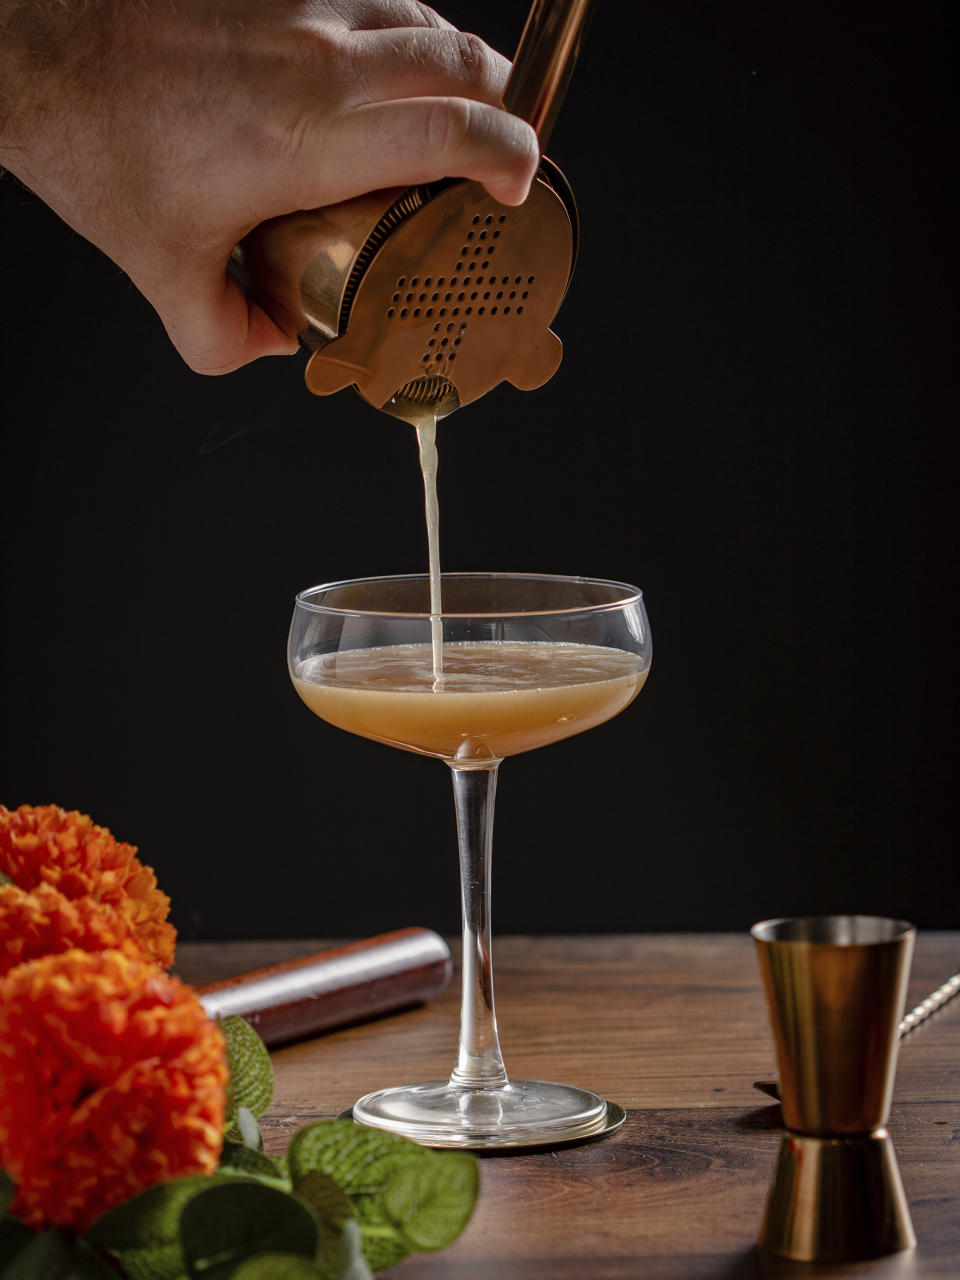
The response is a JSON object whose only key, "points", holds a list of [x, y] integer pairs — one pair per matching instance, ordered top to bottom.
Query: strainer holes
{"points": [[502, 218], [476, 219], [488, 219], [469, 235], [483, 235], [496, 235], [478, 250], [485, 264], [518, 279], [530, 279], [415, 280], [479, 280], [401, 282], [427, 282], [453, 282], [513, 293], [525, 294], [486, 295], [499, 295], [461, 296], [396, 297], [436, 297], [448, 297], [474, 297], [409, 298], [422, 298], [429, 311], [455, 311], [469, 311], [479, 311], [493, 311], [506, 311], [519, 311], [416, 312], [442, 312], [390, 313], [403, 313], [437, 328], [449, 328], [444, 341], [457, 341], [431, 342], [453, 355], [425, 359]]}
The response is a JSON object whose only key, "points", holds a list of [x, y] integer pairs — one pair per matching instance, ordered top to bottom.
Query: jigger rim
{"points": [[833, 930]]}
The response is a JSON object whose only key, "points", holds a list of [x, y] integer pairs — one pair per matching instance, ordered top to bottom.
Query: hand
{"points": [[164, 133]]}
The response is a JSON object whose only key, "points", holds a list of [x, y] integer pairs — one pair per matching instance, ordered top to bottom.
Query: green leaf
{"points": [[5, 879], [251, 1072], [236, 1158], [358, 1159], [361, 1161], [8, 1189], [432, 1201], [426, 1208], [221, 1227], [143, 1233], [14, 1237], [54, 1256], [276, 1266]]}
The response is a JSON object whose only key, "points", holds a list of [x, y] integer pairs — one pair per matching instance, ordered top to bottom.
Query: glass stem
{"points": [[479, 1060]]}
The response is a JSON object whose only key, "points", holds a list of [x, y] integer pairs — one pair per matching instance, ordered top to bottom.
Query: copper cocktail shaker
{"points": [[424, 299], [835, 988]]}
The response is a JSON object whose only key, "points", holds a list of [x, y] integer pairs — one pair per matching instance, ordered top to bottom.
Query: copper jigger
{"points": [[835, 988]]}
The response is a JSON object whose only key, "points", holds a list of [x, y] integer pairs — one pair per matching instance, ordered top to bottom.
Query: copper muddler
{"points": [[334, 987]]}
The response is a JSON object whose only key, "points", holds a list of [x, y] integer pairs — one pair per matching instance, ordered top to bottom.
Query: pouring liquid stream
{"points": [[427, 443]]}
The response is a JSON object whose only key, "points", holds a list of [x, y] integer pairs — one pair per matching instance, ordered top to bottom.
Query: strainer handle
{"points": [[544, 62]]}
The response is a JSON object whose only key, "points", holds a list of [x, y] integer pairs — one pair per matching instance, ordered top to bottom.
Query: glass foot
{"points": [[523, 1113]]}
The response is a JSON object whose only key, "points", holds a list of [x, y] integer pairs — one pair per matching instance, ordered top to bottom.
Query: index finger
{"points": [[379, 15], [388, 65]]}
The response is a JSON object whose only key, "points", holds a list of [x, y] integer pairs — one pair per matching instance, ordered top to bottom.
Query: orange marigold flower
{"points": [[46, 845], [43, 922], [112, 1078]]}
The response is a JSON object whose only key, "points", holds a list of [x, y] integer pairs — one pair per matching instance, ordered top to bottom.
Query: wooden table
{"points": [[673, 1027]]}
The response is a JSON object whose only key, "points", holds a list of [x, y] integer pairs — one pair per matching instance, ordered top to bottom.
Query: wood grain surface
{"points": [[672, 1027]]}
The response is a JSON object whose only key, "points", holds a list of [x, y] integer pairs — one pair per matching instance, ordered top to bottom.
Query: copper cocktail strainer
{"points": [[427, 297]]}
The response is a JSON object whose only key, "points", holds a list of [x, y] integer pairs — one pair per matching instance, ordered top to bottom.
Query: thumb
{"points": [[213, 324]]}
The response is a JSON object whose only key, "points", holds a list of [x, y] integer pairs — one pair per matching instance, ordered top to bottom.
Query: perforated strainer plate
{"points": [[460, 295]]}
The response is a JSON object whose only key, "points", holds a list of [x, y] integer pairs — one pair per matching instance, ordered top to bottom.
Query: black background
{"points": [[754, 421]]}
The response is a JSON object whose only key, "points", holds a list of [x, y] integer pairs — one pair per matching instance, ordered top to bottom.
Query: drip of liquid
{"points": [[427, 441]]}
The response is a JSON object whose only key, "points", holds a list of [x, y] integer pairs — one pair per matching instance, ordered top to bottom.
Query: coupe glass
{"points": [[528, 659]]}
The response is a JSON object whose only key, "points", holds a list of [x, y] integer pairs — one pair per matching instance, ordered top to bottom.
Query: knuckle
{"points": [[427, 17], [328, 51], [474, 61]]}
